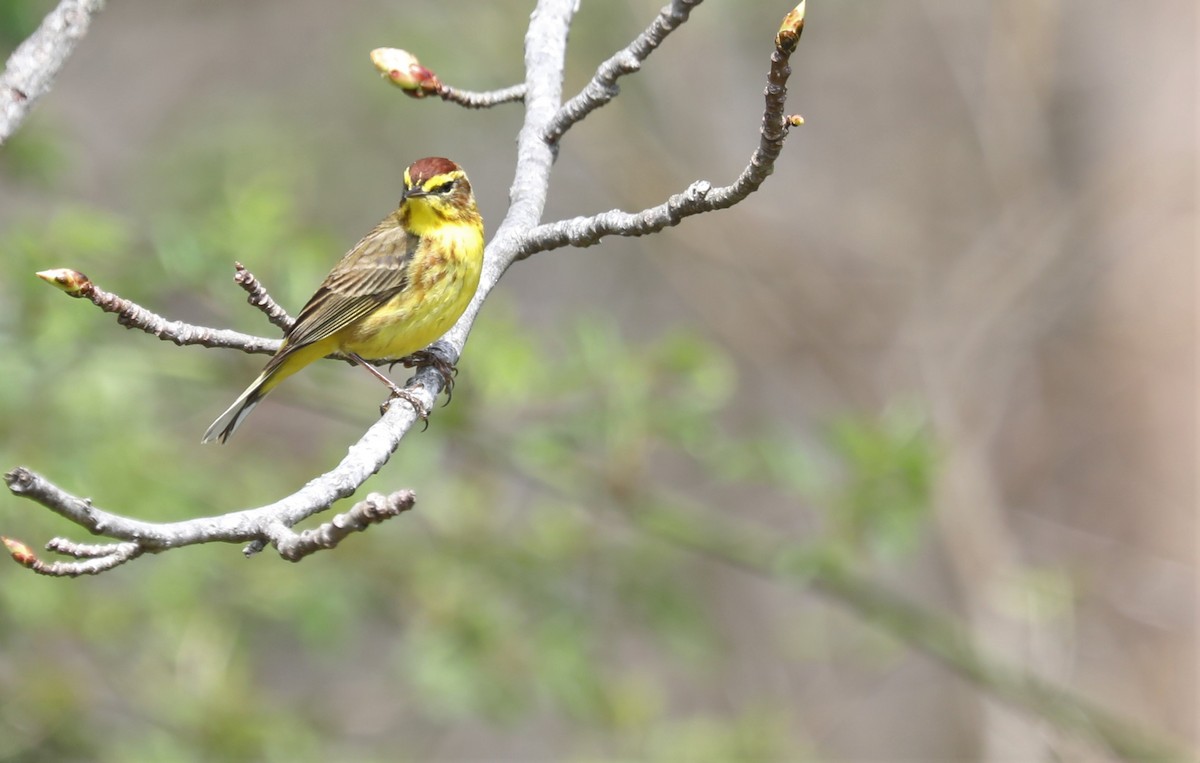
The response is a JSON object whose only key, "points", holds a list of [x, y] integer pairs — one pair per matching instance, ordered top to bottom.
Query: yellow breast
{"points": [[441, 280]]}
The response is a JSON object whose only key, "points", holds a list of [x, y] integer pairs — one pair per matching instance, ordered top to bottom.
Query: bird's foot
{"points": [[434, 356]]}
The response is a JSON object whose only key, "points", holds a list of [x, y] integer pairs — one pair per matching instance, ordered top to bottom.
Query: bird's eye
{"points": [[443, 188]]}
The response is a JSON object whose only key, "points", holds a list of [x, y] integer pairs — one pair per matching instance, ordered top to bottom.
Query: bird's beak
{"points": [[413, 193]]}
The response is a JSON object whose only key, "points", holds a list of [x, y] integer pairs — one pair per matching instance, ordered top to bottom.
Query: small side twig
{"points": [[30, 70], [603, 86], [700, 196], [258, 297], [375, 509], [93, 558]]}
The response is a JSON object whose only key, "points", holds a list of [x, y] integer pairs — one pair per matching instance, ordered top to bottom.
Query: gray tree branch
{"points": [[30, 70], [517, 236], [131, 315], [375, 509], [256, 527], [935, 635]]}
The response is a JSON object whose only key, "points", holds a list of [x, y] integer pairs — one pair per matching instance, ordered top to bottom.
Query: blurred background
{"points": [[951, 344]]}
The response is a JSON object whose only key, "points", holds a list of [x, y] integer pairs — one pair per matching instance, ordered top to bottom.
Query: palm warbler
{"points": [[399, 289]]}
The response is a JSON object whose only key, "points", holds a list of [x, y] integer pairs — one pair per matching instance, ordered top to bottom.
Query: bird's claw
{"points": [[432, 357], [408, 397]]}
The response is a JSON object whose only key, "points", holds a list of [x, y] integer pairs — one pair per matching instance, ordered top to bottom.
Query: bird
{"points": [[394, 293]]}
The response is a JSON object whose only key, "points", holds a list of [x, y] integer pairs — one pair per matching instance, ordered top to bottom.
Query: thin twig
{"points": [[30, 70], [603, 86], [485, 100], [700, 196], [258, 297], [134, 316], [375, 509]]}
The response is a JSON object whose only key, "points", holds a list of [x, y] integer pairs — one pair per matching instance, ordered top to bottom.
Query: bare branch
{"points": [[31, 68], [603, 86], [700, 196], [258, 297], [133, 316], [365, 458], [374, 510], [68, 547], [94, 558], [97, 558], [933, 634]]}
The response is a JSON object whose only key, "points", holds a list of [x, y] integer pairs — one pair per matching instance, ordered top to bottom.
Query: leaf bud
{"points": [[405, 72]]}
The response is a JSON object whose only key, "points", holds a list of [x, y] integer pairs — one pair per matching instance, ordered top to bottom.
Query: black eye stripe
{"points": [[443, 187]]}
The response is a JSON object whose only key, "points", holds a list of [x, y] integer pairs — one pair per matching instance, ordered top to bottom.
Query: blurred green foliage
{"points": [[33, 156], [882, 497], [540, 583]]}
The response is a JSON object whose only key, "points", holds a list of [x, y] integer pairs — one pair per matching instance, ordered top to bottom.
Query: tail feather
{"points": [[283, 364], [232, 418]]}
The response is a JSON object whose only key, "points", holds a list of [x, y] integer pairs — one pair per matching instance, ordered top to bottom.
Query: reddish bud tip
{"points": [[790, 29], [403, 70], [71, 281], [21, 553]]}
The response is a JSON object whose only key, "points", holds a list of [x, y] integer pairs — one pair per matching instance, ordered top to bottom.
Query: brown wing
{"points": [[369, 275]]}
